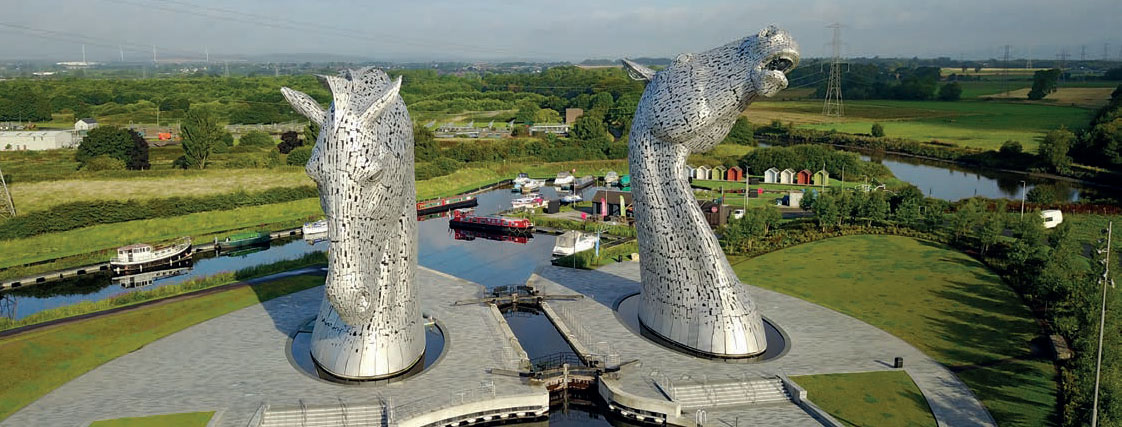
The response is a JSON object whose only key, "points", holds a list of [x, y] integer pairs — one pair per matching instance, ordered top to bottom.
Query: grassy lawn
{"points": [[966, 123], [28, 197], [198, 225], [943, 302], [37, 362], [869, 398], [188, 419]]}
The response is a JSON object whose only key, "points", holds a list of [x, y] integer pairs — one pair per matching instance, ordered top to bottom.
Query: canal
{"points": [[483, 258]]}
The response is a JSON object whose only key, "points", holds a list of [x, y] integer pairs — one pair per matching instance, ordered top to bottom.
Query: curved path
{"points": [[823, 341]]}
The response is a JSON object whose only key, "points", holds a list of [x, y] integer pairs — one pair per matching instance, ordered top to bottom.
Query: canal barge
{"points": [[448, 203], [497, 224], [318, 227], [248, 238], [142, 257]]}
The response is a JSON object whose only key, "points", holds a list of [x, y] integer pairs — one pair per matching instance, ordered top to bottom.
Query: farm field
{"points": [[977, 124], [29, 197], [943, 302], [39, 361], [869, 398]]}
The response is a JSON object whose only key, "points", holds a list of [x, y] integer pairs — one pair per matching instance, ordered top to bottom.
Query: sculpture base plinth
{"points": [[416, 368]]}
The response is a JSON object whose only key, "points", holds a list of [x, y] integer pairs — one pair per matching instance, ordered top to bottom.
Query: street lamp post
{"points": [[1023, 188], [1102, 325]]}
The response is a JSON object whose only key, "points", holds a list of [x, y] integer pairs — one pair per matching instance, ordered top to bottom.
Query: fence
{"points": [[600, 350], [417, 407]]}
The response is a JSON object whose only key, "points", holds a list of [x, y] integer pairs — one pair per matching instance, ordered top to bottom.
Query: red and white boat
{"points": [[497, 224]]}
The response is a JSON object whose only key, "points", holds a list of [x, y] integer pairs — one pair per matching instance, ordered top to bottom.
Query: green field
{"points": [[965, 123], [29, 197], [941, 301], [36, 362], [869, 398], [188, 419]]}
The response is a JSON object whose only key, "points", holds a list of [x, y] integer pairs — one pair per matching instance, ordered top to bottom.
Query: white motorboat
{"points": [[522, 179], [563, 179], [571, 198], [529, 202], [318, 227], [574, 241], [142, 257]]}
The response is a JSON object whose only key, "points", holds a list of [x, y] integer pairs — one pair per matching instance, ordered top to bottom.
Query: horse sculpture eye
{"points": [[780, 64]]}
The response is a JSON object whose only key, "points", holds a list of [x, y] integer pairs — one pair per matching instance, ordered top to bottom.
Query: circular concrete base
{"points": [[627, 312], [299, 352]]}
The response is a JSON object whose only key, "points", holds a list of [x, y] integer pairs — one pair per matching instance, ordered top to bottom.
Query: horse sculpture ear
{"points": [[636, 71], [305, 105], [379, 105]]}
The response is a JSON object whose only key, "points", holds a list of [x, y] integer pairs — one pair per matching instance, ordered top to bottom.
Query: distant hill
{"points": [[641, 60]]}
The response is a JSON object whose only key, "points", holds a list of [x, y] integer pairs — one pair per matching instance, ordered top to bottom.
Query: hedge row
{"points": [[73, 215]]}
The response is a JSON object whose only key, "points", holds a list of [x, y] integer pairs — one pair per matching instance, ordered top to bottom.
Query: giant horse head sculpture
{"points": [[363, 165]]}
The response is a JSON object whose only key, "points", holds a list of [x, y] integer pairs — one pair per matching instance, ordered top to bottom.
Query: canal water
{"points": [[952, 181], [487, 259]]}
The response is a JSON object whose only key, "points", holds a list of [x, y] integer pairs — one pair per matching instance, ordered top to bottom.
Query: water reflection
{"points": [[950, 181]]}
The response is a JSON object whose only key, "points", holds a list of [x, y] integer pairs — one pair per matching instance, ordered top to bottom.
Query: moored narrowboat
{"points": [[448, 203], [514, 226], [248, 238]]}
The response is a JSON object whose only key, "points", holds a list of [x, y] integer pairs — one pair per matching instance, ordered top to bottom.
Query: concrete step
{"points": [[731, 393]]}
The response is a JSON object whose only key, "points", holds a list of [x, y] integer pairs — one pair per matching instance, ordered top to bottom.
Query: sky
{"points": [[558, 30]]}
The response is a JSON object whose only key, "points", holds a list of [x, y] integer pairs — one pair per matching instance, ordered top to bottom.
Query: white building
{"points": [[85, 124], [38, 140], [771, 176], [1052, 217]]}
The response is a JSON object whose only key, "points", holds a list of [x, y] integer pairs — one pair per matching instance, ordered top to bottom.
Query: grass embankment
{"points": [[965, 123], [31, 196], [201, 226], [133, 298], [941, 301], [39, 361], [869, 398], [188, 419]]}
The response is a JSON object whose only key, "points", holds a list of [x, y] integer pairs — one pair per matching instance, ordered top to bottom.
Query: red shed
{"points": [[734, 173], [803, 177]]}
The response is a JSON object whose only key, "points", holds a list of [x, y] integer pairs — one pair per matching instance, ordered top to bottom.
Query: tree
{"points": [[1043, 83], [950, 92], [526, 111], [546, 115], [589, 127], [877, 130], [741, 132], [311, 133], [201, 135], [256, 138], [289, 140], [111, 141], [424, 141], [1011, 148], [1053, 150], [138, 152], [299, 156], [874, 207], [826, 210], [908, 213], [966, 218], [989, 233]]}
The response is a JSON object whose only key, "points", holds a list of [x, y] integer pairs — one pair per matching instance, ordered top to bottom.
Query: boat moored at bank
{"points": [[141, 257]]}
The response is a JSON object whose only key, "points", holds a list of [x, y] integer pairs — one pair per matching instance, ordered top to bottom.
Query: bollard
{"points": [[898, 363]]}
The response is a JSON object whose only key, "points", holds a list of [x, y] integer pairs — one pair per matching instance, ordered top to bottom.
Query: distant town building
{"points": [[572, 114], [85, 124], [554, 128], [470, 130], [38, 140]]}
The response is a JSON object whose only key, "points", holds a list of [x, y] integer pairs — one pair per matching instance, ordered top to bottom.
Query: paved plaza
{"points": [[235, 363]]}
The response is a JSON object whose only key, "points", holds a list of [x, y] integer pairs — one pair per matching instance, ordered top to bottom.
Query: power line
{"points": [[833, 103]]}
